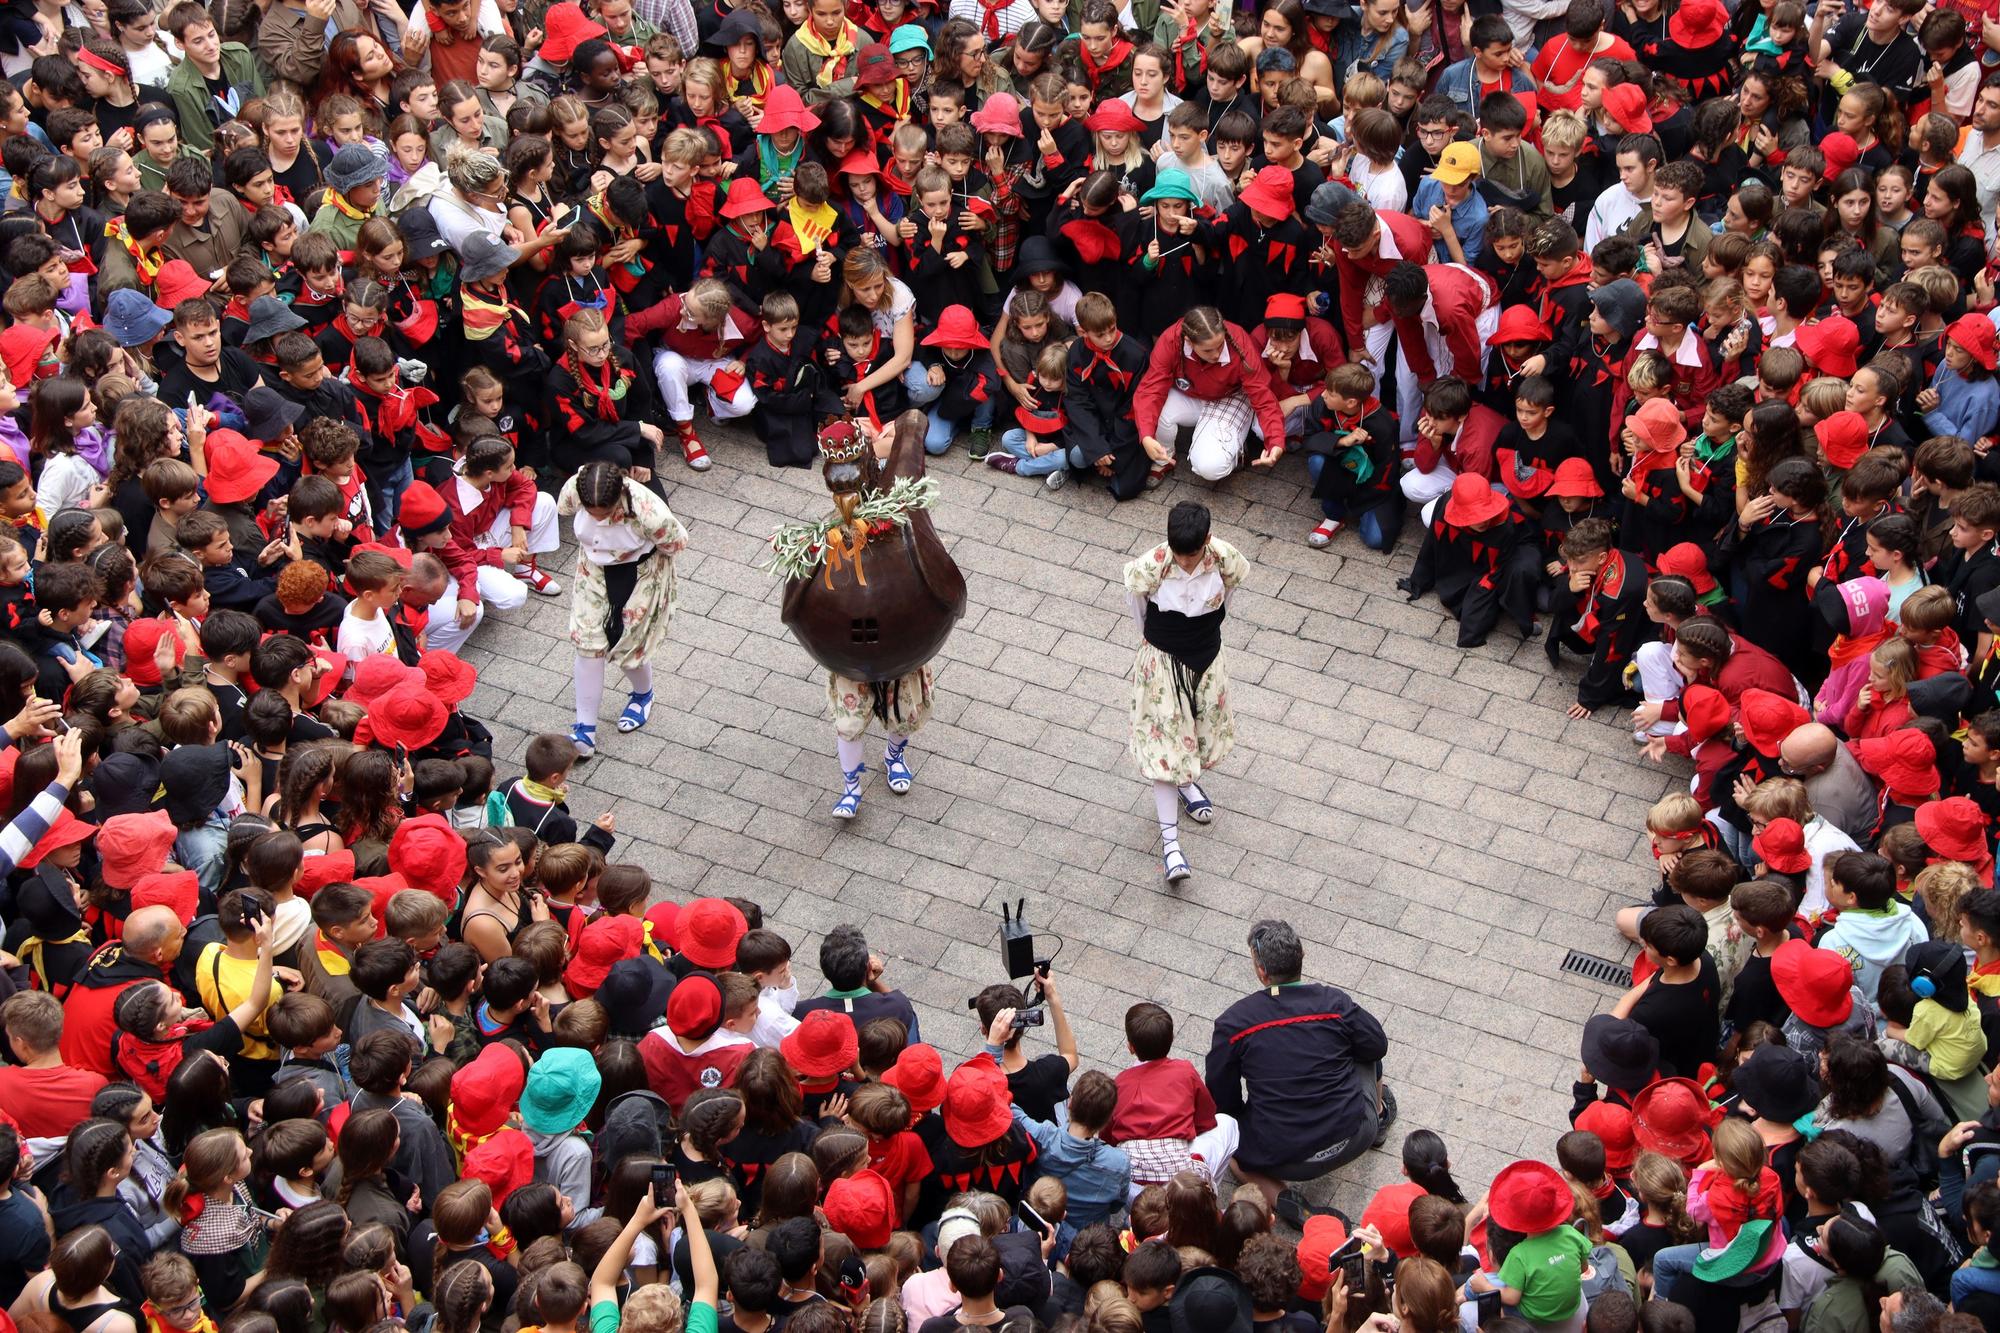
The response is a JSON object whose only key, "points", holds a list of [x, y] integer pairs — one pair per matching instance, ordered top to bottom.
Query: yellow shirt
{"points": [[224, 983], [1954, 1041]]}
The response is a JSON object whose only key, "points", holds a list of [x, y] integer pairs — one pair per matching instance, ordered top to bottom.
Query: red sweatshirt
{"points": [[1403, 237], [1458, 294], [1173, 364], [473, 512]]}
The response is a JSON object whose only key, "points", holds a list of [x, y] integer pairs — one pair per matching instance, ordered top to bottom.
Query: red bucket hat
{"points": [[1697, 24], [564, 28], [1627, 105], [783, 110], [999, 114], [1116, 116], [1840, 151], [861, 161], [1270, 193], [745, 197], [177, 282], [1520, 324], [957, 328], [1975, 334], [1831, 346], [22, 347], [1658, 425], [1843, 437], [237, 469], [1575, 479], [1473, 501], [1687, 560], [142, 640], [376, 675], [449, 676], [409, 715], [1768, 718], [1904, 760], [1954, 828], [67, 831], [1782, 845], [133, 846], [428, 852], [180, 890], [662, 922], [710, 930], [607, 940], [1817, 984], [823, 1045], [919, 1075], [485, 1092], [977, 1103], [1671, 1117], [1612, 1124], [506, 1161], [1530, 1197], [862, 1207], [1389, 1213], [1323, 1234]]}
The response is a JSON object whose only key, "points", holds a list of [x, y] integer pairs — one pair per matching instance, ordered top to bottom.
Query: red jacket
{"points": [[1403, 237], [1458, 295], [739, 329], [1242, 370], [1307, 375], [1471, 450], [473, 512], [89, 1034], [677, 1075]]}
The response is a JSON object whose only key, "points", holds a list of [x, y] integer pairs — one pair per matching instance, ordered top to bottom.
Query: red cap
{"points": [[564, 28], [873, 66], [1626, 104], [783, 110], [1115, 116], [1840, 151], [1270, 193], [177, 282], [1282, 305], [1520, 324], [957, 328], [1975, 334], [1831, 346], [22, 348], [1843, 437], [237, 469], [1575, 479], [1473, 501], [421, 509], [1689, 562], [142, 640], [376, 675], [449, 676], [1768, 718], [1954, 828], [67, 831], [1782, 845], [132, 846], [428, 852], [316, 872], [180, 890], [662, 923], [710, 929], [605, 941], [1816, 984], [695, 1008], [823, 1045], [919, 1075], [484, 1092], [977, 1103], [1671, 1117], [1612, 1124], [506, 1161], [1530, 1197], [862, 1207], [1389, 1213], [1323, 1234]]}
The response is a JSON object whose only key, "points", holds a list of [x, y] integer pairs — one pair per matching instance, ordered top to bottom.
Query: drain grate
{"points": [[1581, 964]]}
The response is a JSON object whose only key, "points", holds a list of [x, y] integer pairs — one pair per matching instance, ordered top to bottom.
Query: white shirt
{"points": [[1012, 18], [1981, 155], [1383, 187], [1613, 209], [456, 220], [901, 302], [66, 482], [607, 543], [1194, 594], [362, 639], [1823, 839]]}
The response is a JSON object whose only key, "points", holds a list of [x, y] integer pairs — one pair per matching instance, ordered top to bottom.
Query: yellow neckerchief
{"points": [[833, 56], [760, 81], [896, 106], [347, 210], [811, 225], [147, 264], [481, 317], [535, 791], [31, 954], [331, 960], [157, 1322]]}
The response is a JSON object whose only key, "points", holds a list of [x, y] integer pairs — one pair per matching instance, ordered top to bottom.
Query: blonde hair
{"points": [[706, 71], [1364, 88], [1564, 129], [685, 146], [1940, 284], [708, 301], [1824, 396], [1929, 608], [1897, 661], [1779, 798], [1676, 812], [1942, 885], [1739, 1153], [1662, 1184], [714, 1200], [1585, 1215], [653, 1309]]}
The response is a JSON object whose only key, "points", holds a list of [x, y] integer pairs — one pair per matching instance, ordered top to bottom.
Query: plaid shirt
{"points": [[1011, 208]]}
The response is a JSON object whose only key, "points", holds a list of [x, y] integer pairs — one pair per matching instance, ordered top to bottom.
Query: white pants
{"points": [[677, 376], [1409, 397], [1220, 426], [1424, 487], [496, 586], [444, 631], [1658, 680]]}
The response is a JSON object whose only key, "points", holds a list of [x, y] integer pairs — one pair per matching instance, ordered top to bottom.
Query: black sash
{"points": [[1191, 643]]}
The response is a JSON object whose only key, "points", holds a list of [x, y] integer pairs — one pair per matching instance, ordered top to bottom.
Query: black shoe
{"points": [[1388, 1117]]}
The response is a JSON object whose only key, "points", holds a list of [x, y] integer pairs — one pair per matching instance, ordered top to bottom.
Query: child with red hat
{"points": [[1474, 556], [1541, 1258]]}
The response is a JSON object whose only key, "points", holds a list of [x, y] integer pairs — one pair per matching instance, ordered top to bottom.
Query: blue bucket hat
{"points": [[909, 37], [1171, 183], [132, 319], [561, 1089]]}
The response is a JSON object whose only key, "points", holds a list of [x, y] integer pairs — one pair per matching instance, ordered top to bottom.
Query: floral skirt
{"points": [[906, 704], [1168, 743]]}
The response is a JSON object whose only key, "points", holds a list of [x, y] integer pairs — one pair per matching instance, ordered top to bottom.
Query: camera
{"points": [[1029, 1018]]}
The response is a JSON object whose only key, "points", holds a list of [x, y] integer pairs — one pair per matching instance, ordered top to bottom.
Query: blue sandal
{"points": [[638, 710], [584, 739], [899, 775], [849, 804], [1199, 808], [1176, 864]]}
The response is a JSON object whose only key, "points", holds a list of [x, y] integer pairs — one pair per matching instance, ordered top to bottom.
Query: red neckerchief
{"points": [[989, 17], [1190, 36], [1093, 71], [238, 308], [862, 365], [1118, 376], [599, 389], [1368, 409]]}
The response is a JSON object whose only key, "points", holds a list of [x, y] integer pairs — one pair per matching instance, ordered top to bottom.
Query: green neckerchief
{"points": [[772, 164], [1707, 450], [854, 994], [1983, 1258]]}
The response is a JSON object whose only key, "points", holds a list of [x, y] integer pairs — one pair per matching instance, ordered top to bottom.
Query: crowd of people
{"points": [[1666, 330]]}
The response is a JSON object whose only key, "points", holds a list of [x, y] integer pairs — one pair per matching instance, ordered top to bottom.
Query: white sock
{"points": [[640, 678], [589, 688], [850, 754], [1193, 792], [1166, 801]]}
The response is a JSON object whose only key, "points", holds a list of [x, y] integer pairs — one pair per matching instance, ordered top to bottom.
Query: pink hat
{"points": [[999, 114]]}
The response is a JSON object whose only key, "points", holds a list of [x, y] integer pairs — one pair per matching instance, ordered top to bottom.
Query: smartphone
{"points": [[663, 1184], [1034, 1221], [1486, 1305]]}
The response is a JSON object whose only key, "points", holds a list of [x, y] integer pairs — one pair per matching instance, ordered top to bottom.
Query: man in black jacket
{"points": [[1299, 1064]]}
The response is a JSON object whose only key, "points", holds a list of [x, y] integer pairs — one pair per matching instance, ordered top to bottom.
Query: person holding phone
{"points": [[604, 1315]]}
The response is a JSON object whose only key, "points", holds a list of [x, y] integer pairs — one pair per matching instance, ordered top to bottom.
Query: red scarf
{"points": [[989, 17], [1121, 50], [1182, 76]]}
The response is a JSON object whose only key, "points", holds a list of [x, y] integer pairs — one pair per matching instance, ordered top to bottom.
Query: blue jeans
{"points": [[917, 385], [942, 431], [1015, 442], [386, 493], [1369, 526]]}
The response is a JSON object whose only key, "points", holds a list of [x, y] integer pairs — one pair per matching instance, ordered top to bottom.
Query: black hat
{"points": [[741, 23], [1328, 199], [419, 231], [1038, 255], [269, 317], [266, 413], [196, 778], [124, 785], [1937, 972], [634, 993], [1620, 1053], [1777, 1083], [1210, 1300]]}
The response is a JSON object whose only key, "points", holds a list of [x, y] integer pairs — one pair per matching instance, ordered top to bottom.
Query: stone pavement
{"points": [[1432, 823]]}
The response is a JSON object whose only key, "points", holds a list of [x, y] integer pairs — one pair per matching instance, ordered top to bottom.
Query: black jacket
{"points": [[1296, 1065]]}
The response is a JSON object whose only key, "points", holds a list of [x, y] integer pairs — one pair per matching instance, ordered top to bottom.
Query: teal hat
{"points": [[909, 37], [1171, 183], [561, 1089], [1737, 1257]]}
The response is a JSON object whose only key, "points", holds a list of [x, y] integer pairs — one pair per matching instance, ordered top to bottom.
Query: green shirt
{"points": [[1548, 1272], [701, 1318]]}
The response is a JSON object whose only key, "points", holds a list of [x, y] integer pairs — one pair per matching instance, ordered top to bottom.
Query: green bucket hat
{"points": [[909, 37], [1171, 183], [561, 1089], [1735, 1258]]}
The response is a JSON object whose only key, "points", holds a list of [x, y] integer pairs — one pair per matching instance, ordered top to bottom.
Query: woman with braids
{"points": [[600, 406], [625, 587], [96, 1161], [362, 1181], [145, 1185], [221, 1233], [462, 1296]]}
